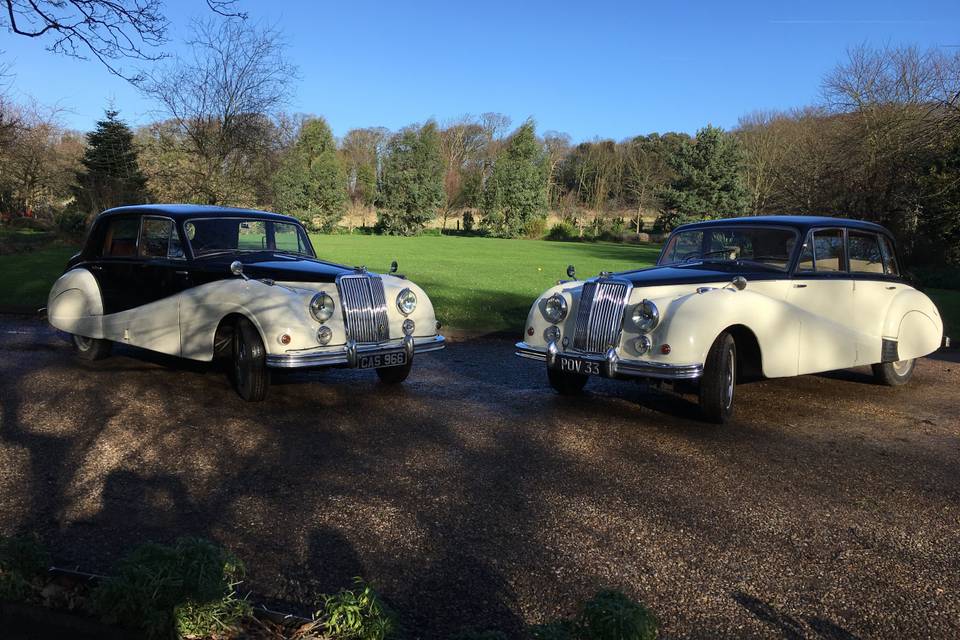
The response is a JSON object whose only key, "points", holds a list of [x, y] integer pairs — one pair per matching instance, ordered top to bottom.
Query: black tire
{"points": [[91, 348], [249, 367], [894, 374], [394, 375], [719, 380], [566, 383]]}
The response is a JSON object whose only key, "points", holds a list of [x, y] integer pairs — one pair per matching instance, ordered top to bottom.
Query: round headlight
{"points": [[406, 302], [321, 307], [555, 308], [646, 316], [324, 334]]}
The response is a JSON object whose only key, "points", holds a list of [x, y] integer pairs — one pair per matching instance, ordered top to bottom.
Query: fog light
{"points": [[408, 327], [324, 334], [551, 334], [284, 338], [642, 345], [665, 349]]}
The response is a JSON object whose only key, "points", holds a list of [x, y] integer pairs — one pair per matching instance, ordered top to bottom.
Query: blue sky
{"points": [[590, 69]]}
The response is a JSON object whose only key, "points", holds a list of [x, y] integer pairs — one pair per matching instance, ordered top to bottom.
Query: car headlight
{"points": [[406, 302], [321, 307], [555, 308], [646, 316], [324, 334]]}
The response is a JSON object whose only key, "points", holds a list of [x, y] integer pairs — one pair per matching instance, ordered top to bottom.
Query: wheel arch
{"points": [[223, 334], [749, 353]]}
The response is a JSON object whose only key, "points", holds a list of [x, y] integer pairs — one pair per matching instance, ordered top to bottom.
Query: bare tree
{"points": [[110, 30], [221, 100], [462, 143], [763, 144], [557, 145], [645, 171]]}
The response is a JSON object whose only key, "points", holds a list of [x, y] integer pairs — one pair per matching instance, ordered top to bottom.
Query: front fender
{"points": [[692, 322]]}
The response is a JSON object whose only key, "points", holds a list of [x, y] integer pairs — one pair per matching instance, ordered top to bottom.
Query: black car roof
{"points": [[183, 211], [802, 223]]}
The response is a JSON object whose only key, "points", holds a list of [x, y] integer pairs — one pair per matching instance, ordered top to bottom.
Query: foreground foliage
{"points": [[23, 561]]}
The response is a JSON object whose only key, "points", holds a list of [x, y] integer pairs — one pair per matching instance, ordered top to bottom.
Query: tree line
{"points": [[882, 144]]}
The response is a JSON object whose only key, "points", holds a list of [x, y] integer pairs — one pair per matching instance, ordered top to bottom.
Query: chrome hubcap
{"points": [[83, 343], [901, 367], [730, 380]]}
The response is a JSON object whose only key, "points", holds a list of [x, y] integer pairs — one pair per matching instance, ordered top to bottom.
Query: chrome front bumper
{"points": [[349, 353], [612, 365]]}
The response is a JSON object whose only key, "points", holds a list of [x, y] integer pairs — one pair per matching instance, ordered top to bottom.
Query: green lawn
{"points": [[478, 284]]}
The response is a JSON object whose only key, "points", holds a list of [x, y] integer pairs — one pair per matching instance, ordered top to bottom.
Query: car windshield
{"points": [[231, 235], [766, 246]]}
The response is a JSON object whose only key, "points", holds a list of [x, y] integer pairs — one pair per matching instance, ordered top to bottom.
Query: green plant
{"points": [[70, 222], [534, 228], [563, 232], [23, 560], [187, 588], [357, 614], [611, 615], [473, 634]]}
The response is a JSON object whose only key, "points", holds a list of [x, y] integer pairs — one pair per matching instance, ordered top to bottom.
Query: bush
{"points": [[69, 222], [469, 222], [534, 228], [563, 232], [23, 561], [187, 588], [357, 614], [610, 615], [561, 630], [471, 634]]}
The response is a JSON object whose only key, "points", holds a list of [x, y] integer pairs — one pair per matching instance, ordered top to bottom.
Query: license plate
{"points": [[377, 360], [575, 365]]}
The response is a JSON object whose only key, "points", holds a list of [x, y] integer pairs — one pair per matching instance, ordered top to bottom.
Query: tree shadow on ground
{"points": [[790, 627]]}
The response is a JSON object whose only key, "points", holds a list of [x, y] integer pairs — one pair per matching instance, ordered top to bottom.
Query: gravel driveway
{"points": [[475, 496]]}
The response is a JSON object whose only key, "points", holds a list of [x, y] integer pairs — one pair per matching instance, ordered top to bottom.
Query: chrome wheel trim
{"points": [[83, 342], [902, 367], [730, 380]]}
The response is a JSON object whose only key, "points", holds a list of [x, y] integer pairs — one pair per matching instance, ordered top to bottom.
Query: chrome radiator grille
{"points": [[364, 307], [600, 315]]}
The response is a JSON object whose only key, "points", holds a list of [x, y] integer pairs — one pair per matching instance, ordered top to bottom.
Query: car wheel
{"points": [[91, 348], [249, 370], [894, 374], [394, 375], [719, 380], [566, 383]]}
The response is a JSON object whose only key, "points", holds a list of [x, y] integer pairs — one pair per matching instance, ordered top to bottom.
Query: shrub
{"points": [[69, 222], [469, 222], [535, 228], [563, 232], [23, 560], [187, 588], [357, 614], [610, 615], [560, 630], [472, 634]]}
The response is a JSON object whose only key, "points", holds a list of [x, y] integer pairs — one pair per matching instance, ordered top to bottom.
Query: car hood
{"points": [[279, 267], [695, 273]]}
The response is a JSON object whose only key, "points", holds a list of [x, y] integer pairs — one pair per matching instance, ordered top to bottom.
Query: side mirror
{"points": [[394, 266], [236, 268], [571, 271], [740, 283]]}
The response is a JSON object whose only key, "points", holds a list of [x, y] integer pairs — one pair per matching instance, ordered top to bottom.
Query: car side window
{"points": [[155, 236], [120, 239], [828, 250], [864, 252], [890, 266]]}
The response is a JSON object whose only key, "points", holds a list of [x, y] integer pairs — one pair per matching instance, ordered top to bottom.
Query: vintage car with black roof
{"points": [[244, 286], [730, 299]]}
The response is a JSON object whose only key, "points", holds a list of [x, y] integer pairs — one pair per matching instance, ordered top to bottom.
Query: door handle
{"points": [[96, 267], [182, 273], [799, 286], [890, 288]]}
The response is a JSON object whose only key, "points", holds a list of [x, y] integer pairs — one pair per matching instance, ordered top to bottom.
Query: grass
{"points": [[476, 284]]}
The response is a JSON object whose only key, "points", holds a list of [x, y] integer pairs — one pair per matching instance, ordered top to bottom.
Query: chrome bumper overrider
{"points": [[348, 353], [611, 365]]}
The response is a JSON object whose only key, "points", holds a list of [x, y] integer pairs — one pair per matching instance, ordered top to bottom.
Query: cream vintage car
{"points": [[245, 286], [730, 299]]}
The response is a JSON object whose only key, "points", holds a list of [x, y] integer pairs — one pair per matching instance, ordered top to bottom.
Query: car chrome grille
{"points": [[364, 307], [600, 315]]}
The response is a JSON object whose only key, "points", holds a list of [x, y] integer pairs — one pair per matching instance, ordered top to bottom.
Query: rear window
{"points": [[120, 239], [865, 253]]}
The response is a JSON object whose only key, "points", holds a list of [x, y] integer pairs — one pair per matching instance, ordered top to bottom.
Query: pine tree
{"points": [[111, 174], [311, 182], [708, 183], [412, 184], [515, 195]]}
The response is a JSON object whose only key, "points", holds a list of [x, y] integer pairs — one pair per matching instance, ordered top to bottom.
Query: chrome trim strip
{"points": [[347, 354], [613, 366]]}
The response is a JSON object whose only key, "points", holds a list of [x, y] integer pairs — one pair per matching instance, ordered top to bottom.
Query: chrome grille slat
{"points": [[364, 307], [600, 315]]}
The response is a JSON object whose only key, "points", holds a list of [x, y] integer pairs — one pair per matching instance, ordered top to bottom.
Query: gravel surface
{"points": [[475, 496]]}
